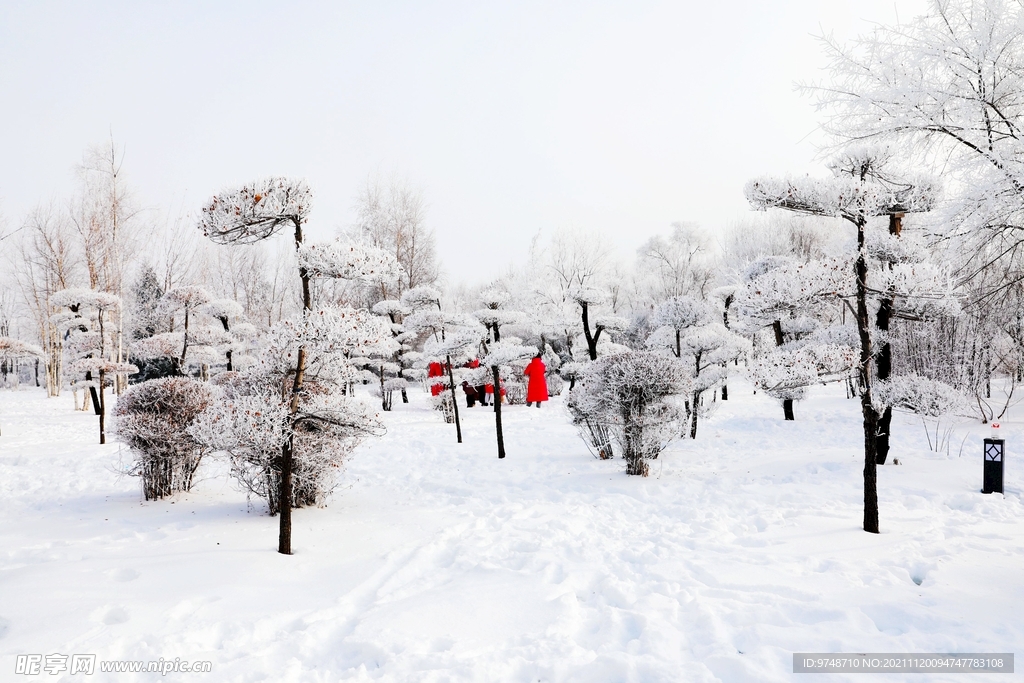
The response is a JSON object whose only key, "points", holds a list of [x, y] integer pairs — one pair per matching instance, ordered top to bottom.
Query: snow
{"points": [[438, 562]]}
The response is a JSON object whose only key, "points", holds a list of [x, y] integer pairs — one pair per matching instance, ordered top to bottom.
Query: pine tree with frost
{"points": [[858, 190], [252, 213], [787, 295], [185, 299], [89, 313], [493, 316], [253, 419]]}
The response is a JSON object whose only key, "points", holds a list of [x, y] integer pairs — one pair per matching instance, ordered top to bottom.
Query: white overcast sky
{"points": [[513, 118]]}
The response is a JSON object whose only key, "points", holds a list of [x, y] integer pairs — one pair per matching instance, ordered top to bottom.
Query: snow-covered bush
{"points": [[632, 396], [153, 419]]}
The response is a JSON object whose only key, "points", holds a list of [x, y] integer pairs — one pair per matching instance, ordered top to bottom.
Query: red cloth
{"points": [[435, 370], [537, 389]]}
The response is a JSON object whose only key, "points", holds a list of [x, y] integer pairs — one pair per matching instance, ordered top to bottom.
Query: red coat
{"points": [[537, 390]]}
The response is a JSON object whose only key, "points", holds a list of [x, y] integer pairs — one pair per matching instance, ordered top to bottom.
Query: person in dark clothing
{"points": [[471, 394]]}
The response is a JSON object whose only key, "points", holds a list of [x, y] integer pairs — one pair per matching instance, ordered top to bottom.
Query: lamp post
{"points": [[995, 450]]}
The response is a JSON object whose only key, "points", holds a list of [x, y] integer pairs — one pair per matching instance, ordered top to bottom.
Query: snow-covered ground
{"points": [[439, 562]]}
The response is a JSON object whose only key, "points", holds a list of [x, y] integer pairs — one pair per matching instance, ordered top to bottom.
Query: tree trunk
{"points": [[725, 321], [591, 338], [884, 368], [883, 371], [455, 402], [787, 403], [497, 411], [868, 411], [102, 412], [693, 421], [284, 538]]}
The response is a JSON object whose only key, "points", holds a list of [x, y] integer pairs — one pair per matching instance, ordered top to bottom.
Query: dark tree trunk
{"points": [[725, 321], [224, 322], [590, 337], [184, 346], [884, 367], [883, 371], [93, 394], [405, 396], [455, 402], [787, 403], [497, 411], [102, 412], [693, 416], [870, 417], [284, 538]]}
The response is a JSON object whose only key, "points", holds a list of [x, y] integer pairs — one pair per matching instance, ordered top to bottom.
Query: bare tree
{"points": [[392, 217], [107, 219], [44, 262]]}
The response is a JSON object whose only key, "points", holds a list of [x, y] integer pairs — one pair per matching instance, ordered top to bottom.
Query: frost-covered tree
{"points": [[947, 90], [859, 190], [253, 213], [677, 265], [787, 296], [186, 299], [588, 299], [395, 312], [229, 314], [685, 326], [449, 336], [94, 343], [711, 347], [13, 350], [500, 354], [632, 394], [924, 397], [255, 418]]}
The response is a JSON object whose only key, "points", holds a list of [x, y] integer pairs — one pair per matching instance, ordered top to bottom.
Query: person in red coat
{"points": [[537, 389]]}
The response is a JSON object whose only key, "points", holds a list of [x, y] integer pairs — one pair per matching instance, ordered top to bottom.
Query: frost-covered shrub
{"points": [[555, 383], [515, 393], [631, 395], [444, 404], [153, 419]]}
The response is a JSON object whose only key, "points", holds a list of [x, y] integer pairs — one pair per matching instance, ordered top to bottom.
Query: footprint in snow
{"points": [[123, 575], [116, 615]]}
